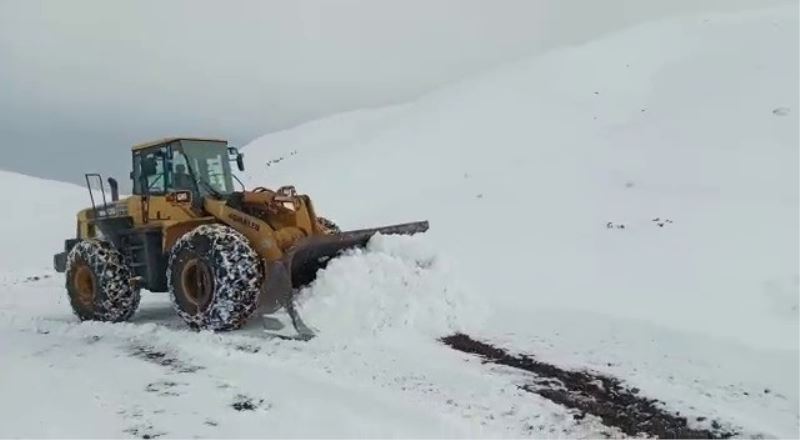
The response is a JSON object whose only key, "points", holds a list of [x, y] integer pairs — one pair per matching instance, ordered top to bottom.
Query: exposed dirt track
{"points": [[591, 393]]}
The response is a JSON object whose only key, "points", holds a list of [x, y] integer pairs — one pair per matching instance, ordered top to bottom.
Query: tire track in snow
{"points": [[590, 393]]}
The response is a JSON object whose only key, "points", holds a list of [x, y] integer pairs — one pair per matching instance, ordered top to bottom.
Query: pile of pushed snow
{"points": [[38, 215], [397, 283]]}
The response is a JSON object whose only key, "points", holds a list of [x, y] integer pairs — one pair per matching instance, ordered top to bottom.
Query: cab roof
{"points": [[173, 139]]}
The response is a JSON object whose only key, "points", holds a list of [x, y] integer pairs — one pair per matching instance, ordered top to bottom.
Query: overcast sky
{"points": [[81, 80]]}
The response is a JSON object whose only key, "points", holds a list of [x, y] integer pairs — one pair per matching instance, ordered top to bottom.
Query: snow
{"points": [[691, 121], [547, 152], [520, 172], [29, 229], [395, 285], [356, 388]]}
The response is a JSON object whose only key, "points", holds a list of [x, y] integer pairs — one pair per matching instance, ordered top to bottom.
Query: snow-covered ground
{"points": [[629, 206]]}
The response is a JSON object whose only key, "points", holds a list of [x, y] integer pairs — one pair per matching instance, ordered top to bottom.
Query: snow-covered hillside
{"points": [[522, 171], [631, 200], [627, 207], [39, 214]]}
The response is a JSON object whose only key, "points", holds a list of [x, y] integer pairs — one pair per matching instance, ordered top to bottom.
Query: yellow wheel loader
{"points": [[220, 252]]}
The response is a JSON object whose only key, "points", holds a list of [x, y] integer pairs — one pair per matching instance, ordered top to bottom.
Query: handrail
{"points": [[91, 194]]}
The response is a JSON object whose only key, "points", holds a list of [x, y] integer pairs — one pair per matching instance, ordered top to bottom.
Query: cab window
{"points": [[149, 171], [181, 178]]}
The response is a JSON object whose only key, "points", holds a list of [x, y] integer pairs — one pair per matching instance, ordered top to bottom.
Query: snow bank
{"points": [[651, 175], [630, 205], [38, 216], [395, 285]]}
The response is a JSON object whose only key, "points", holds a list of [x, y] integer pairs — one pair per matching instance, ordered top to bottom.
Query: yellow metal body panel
{"points": [[164, 212], [273, 221], [272, 226], [85, 228], [258, 232], [271, 234]]}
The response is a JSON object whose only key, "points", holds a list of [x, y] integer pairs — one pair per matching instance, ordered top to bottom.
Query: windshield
{"points": [[208, 162]]}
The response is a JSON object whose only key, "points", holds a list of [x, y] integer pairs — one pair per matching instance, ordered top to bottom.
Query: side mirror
{"points": [[234, 154], [112, 183]]}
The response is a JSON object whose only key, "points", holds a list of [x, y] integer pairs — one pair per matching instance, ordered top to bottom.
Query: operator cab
{"points": [[200, 166]]}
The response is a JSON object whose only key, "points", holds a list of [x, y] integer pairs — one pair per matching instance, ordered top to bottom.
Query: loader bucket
{"points": [[313, 253], [299, 267]]}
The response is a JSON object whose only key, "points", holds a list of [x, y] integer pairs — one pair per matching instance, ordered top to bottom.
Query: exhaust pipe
{"points": [[112, 183]]}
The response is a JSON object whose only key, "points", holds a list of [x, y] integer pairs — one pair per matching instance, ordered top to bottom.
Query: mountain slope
{"points": [[521, 172], [527, 175], [628, 203], [39, 214]]}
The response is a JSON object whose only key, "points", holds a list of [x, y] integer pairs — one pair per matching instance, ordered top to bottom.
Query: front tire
{"points": [[214, 278], [98, 283]]}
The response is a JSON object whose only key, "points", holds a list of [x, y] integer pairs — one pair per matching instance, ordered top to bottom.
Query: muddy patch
{"points": [[35, 278], [14, 281], [247, 348], [150, 354], [164, 388], [589, 393], [246, 403], [144, 432]]}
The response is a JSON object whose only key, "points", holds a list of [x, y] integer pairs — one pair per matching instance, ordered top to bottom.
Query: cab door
{"points": [[157, 200]]}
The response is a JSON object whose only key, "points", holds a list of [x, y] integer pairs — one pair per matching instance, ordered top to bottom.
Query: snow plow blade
{"points": [[312, 254], [299, 267]]}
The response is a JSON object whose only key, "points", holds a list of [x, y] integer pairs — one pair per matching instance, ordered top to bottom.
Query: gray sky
{"points": [[82, 80]]}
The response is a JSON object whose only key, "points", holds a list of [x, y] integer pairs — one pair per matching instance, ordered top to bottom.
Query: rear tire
{"points": [[214, 278], [98, 283]]}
